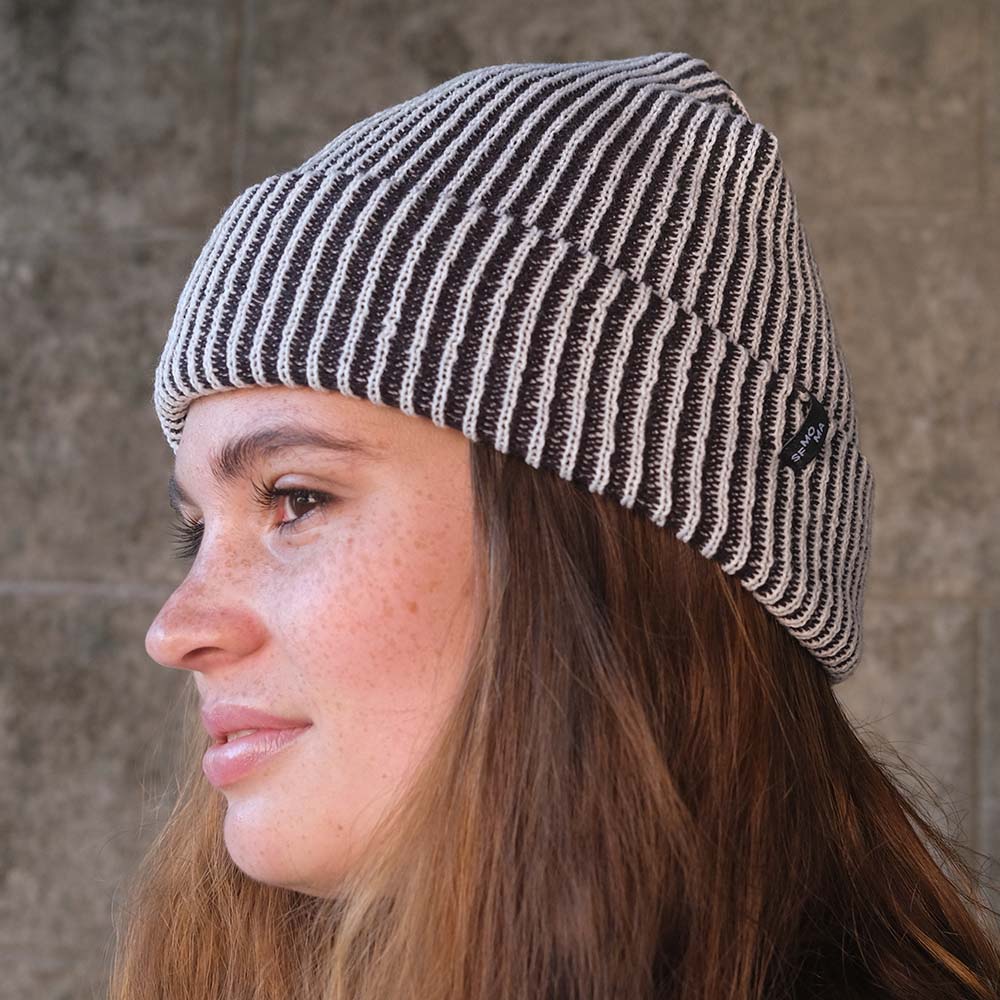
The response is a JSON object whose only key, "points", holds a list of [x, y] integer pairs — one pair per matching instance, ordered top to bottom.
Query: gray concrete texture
{"points": [[128, 126]]}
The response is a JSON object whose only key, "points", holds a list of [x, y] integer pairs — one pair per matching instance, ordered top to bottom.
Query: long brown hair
{"points": [[647, 789]]}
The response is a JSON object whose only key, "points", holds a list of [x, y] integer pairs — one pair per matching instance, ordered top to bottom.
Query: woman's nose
{"points": [[201, 624]]}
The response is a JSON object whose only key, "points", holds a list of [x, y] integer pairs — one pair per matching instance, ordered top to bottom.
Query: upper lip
{"points": [[225, 717]]}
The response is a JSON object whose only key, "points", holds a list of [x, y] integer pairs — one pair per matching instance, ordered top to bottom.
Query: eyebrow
{"points": [[237, 457]]}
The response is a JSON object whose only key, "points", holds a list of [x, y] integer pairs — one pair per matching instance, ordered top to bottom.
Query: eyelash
{"points": [[188, 532]]}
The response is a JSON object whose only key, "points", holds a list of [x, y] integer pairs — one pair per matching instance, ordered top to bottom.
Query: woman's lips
{"points": [[225, 763]]}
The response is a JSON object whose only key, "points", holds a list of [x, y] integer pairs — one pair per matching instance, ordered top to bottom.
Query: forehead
{"points": [[230, 412]]}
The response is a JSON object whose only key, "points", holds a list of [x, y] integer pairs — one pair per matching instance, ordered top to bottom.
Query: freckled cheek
{"points": [[374, 626]]}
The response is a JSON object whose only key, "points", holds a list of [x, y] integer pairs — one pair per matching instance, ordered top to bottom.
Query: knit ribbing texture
{"points": [[596, 266]]}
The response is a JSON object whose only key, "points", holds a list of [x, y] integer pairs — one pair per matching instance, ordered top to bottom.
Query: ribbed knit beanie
{"points": [[595, 266]]}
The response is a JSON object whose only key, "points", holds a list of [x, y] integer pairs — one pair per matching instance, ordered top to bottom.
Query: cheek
{"points": [[378, 628]]}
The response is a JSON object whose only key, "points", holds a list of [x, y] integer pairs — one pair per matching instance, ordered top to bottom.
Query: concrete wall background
{"points": [[128, 126]]}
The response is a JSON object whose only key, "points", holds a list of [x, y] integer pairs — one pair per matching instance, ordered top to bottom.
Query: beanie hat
{"points": [[596, 266]]}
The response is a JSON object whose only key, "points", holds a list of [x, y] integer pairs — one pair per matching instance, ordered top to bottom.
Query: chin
{"points": [[266, 856]]}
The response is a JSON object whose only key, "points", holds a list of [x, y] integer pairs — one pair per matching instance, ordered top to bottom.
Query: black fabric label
{"points": [[804, 445]]}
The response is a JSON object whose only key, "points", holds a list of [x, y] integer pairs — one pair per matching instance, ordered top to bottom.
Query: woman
{"points": [[542, 589]]}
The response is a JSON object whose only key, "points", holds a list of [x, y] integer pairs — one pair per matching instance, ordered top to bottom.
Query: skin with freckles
{"points": [[356, 617]]}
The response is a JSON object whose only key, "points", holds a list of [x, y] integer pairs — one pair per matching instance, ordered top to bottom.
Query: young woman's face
{"points": [[355, 617]]}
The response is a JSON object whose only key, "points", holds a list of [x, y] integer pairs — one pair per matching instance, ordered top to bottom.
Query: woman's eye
{"points": [[269, 497], [308, 499], [301, 502], [187, 534]]}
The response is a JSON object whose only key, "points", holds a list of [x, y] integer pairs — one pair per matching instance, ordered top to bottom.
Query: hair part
{"points": [[647, 788]]}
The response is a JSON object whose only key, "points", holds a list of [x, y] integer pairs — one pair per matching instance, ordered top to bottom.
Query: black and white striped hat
{"points": [[596, 266]]}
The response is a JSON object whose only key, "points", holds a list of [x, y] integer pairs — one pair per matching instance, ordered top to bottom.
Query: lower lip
{"points": [[225, 763]]}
